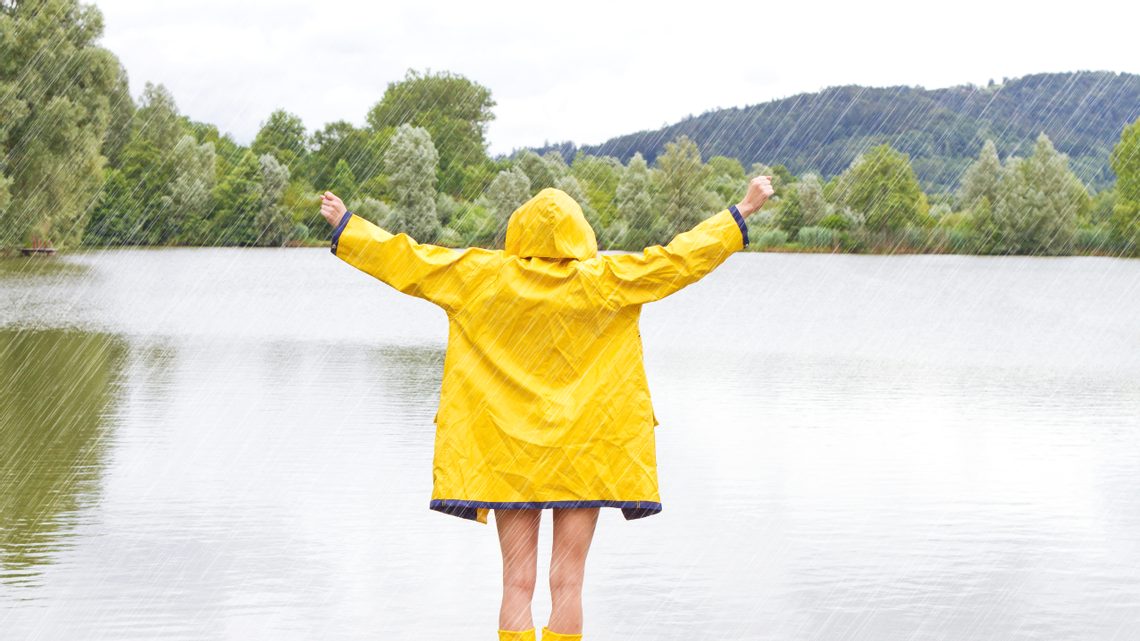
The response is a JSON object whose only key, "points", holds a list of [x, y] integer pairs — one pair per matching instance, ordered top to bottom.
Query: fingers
{"points": [[762, 184], [332, 207]]}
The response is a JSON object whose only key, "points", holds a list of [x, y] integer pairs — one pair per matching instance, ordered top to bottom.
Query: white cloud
{"points": [[588, 70]]}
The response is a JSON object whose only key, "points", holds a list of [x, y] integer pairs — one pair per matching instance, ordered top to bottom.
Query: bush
{"points": [[371, 209], [940, 211], [962, 220], [838, 222], [476, 225], [818, 237], [449, 238], [770, 238], [915, 238], [1095, 240]]}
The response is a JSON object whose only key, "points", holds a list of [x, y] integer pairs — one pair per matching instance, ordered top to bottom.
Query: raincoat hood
{"points": [[550, 225]]}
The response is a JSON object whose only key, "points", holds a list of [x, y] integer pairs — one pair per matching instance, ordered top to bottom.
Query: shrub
{"points": [[372, 209], [962, 220], [837, 222], [476, 224], [818, 237], [449, 238], [770, 238], [915, 238], [1095, 239], [960, 241]]}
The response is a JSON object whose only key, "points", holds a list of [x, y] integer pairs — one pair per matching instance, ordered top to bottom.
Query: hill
{"points": [[942, 130]]}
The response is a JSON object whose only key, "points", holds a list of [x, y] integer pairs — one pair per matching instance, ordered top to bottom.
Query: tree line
{"points": [[83, 163]]}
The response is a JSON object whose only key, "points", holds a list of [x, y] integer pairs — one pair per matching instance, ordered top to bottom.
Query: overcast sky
{"points": [[583, 70]]}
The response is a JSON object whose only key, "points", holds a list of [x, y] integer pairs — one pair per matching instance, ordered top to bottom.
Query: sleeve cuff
{"points": [[740, 223], [339, 229]]}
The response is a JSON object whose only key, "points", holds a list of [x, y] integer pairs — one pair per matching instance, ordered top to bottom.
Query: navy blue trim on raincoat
{"points": [[740, 222], [339, 229], [467, 509]]}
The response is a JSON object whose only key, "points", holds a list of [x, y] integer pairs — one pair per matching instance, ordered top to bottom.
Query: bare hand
{"points": [[759, 189], [332, 208]]}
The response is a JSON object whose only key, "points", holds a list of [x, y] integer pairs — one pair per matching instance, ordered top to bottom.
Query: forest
{"points": [[84, 163]]}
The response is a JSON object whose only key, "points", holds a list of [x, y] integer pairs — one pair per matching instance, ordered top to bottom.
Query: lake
{"points": [[236, 444]]}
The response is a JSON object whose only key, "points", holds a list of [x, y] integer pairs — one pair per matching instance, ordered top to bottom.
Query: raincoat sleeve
{"points": [[434, 273], [634, 279]]}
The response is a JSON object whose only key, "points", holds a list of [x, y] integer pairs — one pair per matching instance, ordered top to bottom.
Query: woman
{"points": [[544, 401]]}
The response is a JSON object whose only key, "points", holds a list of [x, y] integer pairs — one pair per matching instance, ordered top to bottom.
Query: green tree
{"points": [[56, 88], [123, 107], [454, 110], [157, 120], [282, 135], [361, 149], [227, 152], [1125, 161], [410, 162], [148, 163], [556, 163], [725, 166], [540, 172], [599, 176], [780, 176], [981, 178], [343, 182], [882, 186], [573, 188], [809, 188], [509, 190], [683, 198], [187, 201], [239, 201], [1038, 204], [803, 205], [1101, 210], [790, 216], [110, 220], [273, 223], [637, 224]]}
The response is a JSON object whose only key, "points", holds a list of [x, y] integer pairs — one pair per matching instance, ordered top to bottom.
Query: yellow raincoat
{"points": [[544, 400]]}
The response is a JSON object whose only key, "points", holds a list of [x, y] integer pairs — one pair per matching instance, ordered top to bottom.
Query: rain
{"points": [[899, 399]]}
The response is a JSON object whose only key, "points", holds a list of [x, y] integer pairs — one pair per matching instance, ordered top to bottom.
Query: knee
{"points": [[519, 584], [565, 584]]}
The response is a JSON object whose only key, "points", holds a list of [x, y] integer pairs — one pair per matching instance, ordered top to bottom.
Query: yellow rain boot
{"points": [[521, 635], [547, 635]]}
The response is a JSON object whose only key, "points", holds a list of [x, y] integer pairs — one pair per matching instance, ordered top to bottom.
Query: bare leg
{"points": [[573, 531], [518, 539]]}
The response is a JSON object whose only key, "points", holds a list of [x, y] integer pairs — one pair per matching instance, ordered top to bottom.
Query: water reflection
{"points": [[57, 389], [851, 448]]}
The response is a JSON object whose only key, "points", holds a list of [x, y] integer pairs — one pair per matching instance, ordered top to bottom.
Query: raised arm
{"points": [[434, 273], [634, 279]]}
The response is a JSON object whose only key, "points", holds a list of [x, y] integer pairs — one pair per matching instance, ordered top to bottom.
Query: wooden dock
{"points": [[39, 247], [30, 251]]}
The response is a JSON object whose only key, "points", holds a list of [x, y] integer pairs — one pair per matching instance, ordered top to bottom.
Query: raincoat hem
{"points": [[470, 509]]}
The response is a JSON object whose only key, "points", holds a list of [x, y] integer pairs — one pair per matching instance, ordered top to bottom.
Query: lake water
{"points": [[236, 444]]}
